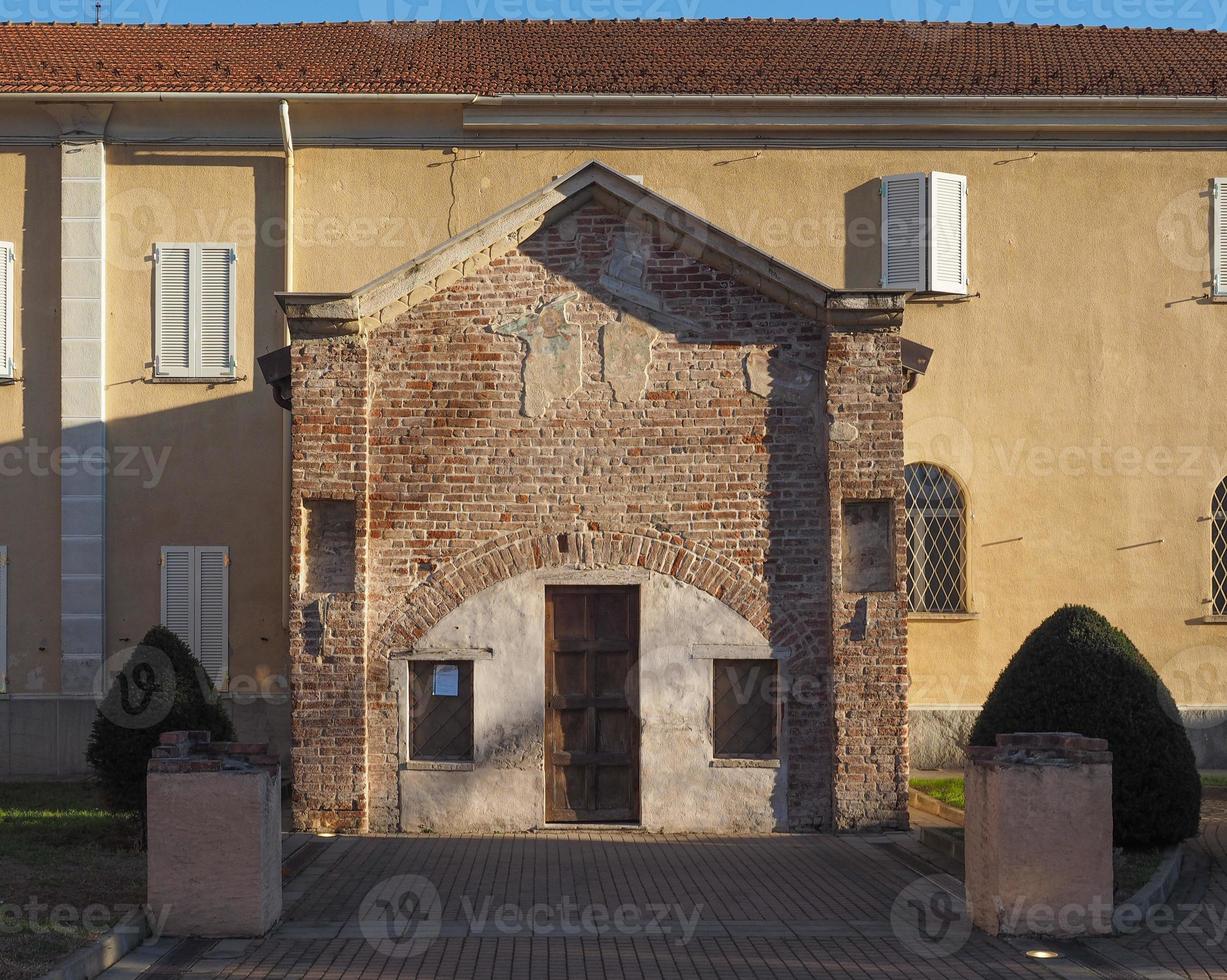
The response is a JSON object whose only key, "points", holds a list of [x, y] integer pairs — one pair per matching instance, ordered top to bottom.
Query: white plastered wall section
{"points": [[83, 412], [502, 629]]}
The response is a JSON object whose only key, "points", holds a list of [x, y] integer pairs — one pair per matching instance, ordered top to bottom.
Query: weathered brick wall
{"points": [[864, 382], [702, 456], [328, 660]]}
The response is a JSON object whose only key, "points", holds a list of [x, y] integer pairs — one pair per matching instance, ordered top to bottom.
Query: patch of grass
{"points": [[1214, 780], [948, 789], [72, 868], [1133, 868]]}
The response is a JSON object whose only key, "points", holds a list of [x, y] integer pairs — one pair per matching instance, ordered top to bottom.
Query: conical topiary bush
{"points": [[1078, 673], [161, 688]]}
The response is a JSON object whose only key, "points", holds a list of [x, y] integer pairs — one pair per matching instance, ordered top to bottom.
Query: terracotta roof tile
{"points": [[727, 57]]}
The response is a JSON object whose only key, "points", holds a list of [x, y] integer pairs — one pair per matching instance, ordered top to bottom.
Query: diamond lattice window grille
{"points": [[936, 541], [1218, 551]]}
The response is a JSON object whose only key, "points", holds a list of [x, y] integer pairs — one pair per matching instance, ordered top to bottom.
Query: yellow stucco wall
{"points": [[1075, 396], [30, 418], [209, 469]]}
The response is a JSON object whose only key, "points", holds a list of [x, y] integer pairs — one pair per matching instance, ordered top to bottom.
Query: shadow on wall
{"points": [[863, 243]]}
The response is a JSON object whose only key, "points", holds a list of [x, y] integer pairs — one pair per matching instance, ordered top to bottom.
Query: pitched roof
{"points": [[723, 57], [330, 314]]}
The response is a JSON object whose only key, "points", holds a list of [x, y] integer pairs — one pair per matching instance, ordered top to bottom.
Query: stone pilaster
{"points": [[83, 395]]}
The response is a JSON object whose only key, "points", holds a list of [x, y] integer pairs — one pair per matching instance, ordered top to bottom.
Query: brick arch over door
{"points": [[534, 549], [505, 557]]}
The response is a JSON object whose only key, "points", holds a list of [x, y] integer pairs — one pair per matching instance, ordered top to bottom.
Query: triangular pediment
{"points": [[386, 298]]}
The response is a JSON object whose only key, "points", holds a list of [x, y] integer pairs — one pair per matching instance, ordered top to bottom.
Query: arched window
{"points": [[936, 541], [1218, 550]]}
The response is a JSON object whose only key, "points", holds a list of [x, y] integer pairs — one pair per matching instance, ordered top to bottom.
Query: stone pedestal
{"points": [[1039, 835], [214, 836]]}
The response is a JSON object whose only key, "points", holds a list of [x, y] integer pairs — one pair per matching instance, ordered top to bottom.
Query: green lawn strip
{"points": [[1214, 780], [948, 789], [1133, 868], [69, 870]]}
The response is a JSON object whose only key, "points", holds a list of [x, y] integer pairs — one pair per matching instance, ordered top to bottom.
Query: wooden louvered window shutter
{"points": [[904, 203], [947, 209], [1218, 255], [6, 310], [195, 311], [195, 603]]}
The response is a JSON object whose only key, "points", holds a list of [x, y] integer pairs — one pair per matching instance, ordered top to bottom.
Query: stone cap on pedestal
{"points": [[1041, 749], [197, 752]]}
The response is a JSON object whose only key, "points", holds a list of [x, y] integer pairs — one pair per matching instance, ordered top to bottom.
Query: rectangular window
{"points": [[6, 311], [194, 311], [195, 603], [4, 619], [745, 709], [441, 711]]}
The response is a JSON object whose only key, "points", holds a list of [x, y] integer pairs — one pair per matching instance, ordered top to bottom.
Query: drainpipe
{"points": [[287, 141]]}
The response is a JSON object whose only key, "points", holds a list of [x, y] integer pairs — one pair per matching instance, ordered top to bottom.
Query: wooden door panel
{"points": [[592, 703]]}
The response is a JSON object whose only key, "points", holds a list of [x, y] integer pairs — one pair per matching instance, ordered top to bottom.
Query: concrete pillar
{"points": [[82, 394], [1039, 835], [214, 837]]}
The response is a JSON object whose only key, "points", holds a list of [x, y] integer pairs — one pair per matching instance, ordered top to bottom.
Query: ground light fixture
{"points": [[329, 833], [1043, 954]]}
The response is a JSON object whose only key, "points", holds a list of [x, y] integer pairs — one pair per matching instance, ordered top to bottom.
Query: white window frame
{"points": [[1218, 238], [7, 266], [194, 371], [4, 619], [220, 674]]}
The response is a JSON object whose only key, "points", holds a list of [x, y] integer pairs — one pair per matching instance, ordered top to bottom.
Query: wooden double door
{"points": [[592, 704]]}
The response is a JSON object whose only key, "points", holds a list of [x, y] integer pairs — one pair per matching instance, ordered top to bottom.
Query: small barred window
{"points": [[936, 541]]}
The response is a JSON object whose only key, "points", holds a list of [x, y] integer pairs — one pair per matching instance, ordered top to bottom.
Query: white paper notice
{"points": [[447, 681]]}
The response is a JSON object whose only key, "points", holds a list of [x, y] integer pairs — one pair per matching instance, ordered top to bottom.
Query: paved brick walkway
{"points": [[616, 905], [623, 905]]}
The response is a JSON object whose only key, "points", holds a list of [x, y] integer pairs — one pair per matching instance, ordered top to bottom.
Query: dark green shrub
{"points": [[1078, 673], [161, 688]]}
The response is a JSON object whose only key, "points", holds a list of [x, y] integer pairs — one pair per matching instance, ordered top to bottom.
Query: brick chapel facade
{"points": [[598, 516]]}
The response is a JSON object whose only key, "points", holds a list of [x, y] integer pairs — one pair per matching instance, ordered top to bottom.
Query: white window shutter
{"points": [[947, 208], [903, 231], [1218, 259], [7, 263], [173, 311], [216, 311], [177, 592], [4, 619], [212, 629]]}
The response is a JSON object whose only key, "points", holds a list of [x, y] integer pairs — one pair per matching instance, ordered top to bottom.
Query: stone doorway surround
{"points": [[439, 408]]}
